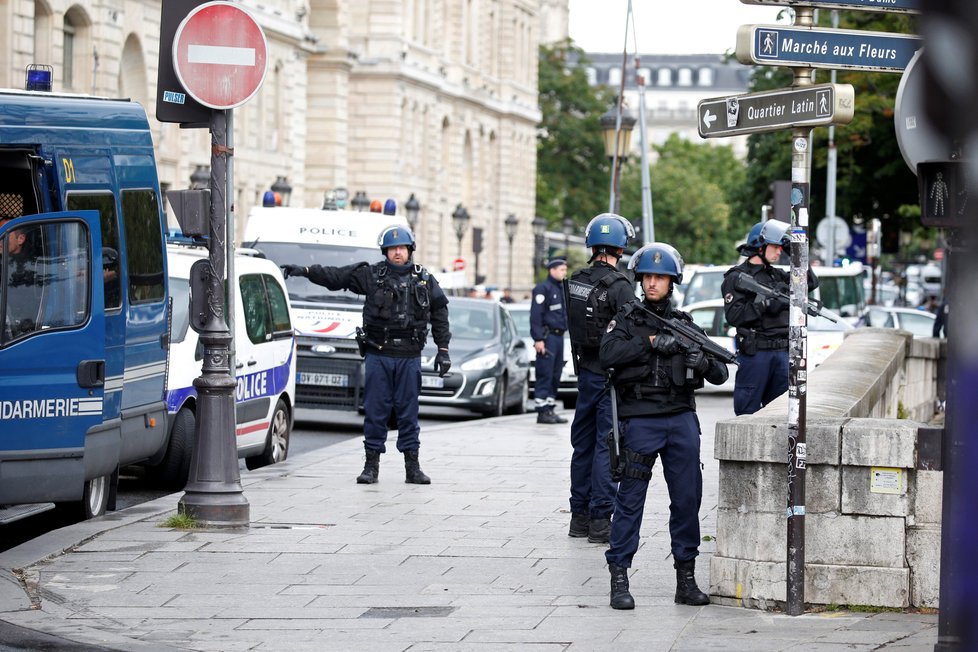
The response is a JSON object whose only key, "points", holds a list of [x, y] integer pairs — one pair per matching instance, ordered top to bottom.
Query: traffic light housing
{"points": [[943, 191]]}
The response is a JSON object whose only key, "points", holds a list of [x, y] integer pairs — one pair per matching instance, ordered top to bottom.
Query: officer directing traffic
{"points": [[595, 294], [401, 299], [761, 322], [548, 323], [654, 377]]}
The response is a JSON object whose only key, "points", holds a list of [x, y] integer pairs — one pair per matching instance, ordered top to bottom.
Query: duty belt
{"points": [[556, 331], [771, 345]]}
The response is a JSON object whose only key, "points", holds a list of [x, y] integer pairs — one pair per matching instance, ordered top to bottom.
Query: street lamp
{"points": [[617, 144], [201, 177], [283, 188], [360, 202], [412, 207], [460, 220], [511, 224], [568, 229], [539, 230]]}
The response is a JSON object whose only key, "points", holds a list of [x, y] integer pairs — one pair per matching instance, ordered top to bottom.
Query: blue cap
{"points": [[555, 262]]}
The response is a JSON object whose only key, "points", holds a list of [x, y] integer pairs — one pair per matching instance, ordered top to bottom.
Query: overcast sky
{"points": [[664, 26]]}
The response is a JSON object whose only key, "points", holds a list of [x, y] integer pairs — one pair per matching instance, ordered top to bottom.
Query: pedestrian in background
{"points": [[595, 295], [401, 299], [940, 322], [548, 323], [762, 323], [657, 415]]}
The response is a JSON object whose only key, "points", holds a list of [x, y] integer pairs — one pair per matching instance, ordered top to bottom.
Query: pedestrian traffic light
{"points": [[942, 187]]}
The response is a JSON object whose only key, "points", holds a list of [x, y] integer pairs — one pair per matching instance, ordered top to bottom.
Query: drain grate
{"points": [[407, 612]]}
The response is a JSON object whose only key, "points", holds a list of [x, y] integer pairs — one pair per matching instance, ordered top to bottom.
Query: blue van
{"points": [[83, 300]]}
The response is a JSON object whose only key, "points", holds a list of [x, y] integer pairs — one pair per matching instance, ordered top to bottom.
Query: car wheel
{"points": [[498, 408], [520, 408], [276, 442], [172, 471]]}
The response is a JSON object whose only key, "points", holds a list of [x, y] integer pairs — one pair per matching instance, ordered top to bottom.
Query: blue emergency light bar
{"points": [[39, 77]]}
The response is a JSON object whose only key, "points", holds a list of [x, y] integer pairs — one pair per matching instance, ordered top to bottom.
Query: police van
{"points": [[83, 299], [264, 364], [330, 370]]}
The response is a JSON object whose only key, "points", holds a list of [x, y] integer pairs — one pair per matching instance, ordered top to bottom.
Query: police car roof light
{"points": [[39, 77], [390, 207]]}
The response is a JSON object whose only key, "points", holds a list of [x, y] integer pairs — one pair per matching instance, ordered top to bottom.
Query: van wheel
{"points": [[277, 441], [173, 470], [96, 497]]}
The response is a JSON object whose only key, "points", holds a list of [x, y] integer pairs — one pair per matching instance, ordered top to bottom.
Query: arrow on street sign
{"points": [[893, 6], [811, 47], [751, 113]]}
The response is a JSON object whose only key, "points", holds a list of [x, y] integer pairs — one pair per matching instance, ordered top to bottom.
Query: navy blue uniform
{"points": [[596, 295], [400, 301], [548, 322], [762, 335], [658, 419]]}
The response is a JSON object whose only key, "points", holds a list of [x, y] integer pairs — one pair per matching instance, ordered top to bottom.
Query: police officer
{"points": [[595, 294], [401, 298], [548, 322], [762, 323], [654, 378]]}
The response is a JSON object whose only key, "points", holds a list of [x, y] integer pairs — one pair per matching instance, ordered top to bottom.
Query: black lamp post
{"points": [[616, 144], [200, 177], [283, 188], [360, 202], [412, 207], [460, 220], [511, 224], [568, 229], [539, 230]]}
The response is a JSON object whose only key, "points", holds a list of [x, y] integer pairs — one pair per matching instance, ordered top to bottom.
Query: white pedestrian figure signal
{"points": [[938, 193]]}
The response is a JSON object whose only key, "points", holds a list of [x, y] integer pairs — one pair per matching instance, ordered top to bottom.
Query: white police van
{"points": [[264, 364], [330, 369]]}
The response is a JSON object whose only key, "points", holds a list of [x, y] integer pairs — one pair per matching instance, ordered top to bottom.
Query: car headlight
{"points": [[481, 363]]}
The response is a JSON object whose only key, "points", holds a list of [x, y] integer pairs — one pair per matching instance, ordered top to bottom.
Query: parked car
{"points": [[919, 323], [824, 336], [490, 364], [264, 365], [567, 391]]}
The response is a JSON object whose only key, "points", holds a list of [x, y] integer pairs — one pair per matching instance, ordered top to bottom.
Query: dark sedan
{"points": [[490, 365]]}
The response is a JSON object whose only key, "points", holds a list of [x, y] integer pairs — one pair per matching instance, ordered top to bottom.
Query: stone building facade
{"points": [[390, 97]]}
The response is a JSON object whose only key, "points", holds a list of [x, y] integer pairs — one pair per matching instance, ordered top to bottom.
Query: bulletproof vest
{"points": [[399, 305], [589, 310], [666, 374]]}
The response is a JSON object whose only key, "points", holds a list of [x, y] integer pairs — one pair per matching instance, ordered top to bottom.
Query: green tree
{"points": [[572, 170], [692, 185]]}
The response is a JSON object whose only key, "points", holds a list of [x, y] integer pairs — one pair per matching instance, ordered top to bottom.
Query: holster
{"points": [[361, 338], [747, 343]]}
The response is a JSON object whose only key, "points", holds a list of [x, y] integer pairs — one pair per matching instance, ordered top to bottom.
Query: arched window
{"points": [[78, 57], [132, 72], [614, 76], [663, 77], [685, 77], [705, 77]]}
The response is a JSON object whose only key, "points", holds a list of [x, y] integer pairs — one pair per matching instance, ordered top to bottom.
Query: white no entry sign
{"points": [[219, 55]]}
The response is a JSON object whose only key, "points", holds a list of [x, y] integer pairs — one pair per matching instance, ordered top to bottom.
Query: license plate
{"points": [[332, 380], [432, 381]]}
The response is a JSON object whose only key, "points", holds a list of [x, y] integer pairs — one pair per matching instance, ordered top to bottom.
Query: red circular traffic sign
{"points": [[219, 55], [458, 265]]}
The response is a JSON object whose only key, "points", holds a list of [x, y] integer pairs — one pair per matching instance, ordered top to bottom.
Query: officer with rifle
{"points": [[594, 296], [756, 302], [659, 357]]}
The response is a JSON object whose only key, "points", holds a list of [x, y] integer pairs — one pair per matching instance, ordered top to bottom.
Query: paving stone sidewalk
{"points": [[479, 560]]}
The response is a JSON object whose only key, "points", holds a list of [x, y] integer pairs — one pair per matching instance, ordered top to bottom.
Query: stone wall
{"points": [[873, 507]]}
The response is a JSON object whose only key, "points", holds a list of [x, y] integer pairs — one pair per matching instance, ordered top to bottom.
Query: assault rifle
{"points": [[814, 307], [690, 338]]}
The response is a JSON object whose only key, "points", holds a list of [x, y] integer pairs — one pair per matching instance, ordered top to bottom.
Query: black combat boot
{"points": [[547, 415], [371, 468], [412, 469], [578, 526], [599, 530], [686, 590], [620, 597]]}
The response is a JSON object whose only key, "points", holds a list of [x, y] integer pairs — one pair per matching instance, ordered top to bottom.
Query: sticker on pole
{"points": [[219, 55]]}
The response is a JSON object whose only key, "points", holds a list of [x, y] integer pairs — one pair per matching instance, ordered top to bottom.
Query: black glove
{"points": [[294, 270], [774, 305], [665, 344], [697, 361], [442, 363]]}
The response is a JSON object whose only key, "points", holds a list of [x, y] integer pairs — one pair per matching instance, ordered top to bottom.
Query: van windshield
{"points": [[302, 289]]}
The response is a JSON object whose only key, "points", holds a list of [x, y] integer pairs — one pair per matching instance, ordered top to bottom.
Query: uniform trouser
{"points": [[548, 368], [761, 378], [391, 383], [676, 439], [592, 491]]}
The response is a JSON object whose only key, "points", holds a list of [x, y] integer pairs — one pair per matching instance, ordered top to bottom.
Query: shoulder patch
{"points": [[728, 297], [539, 298], [611, 326]]}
